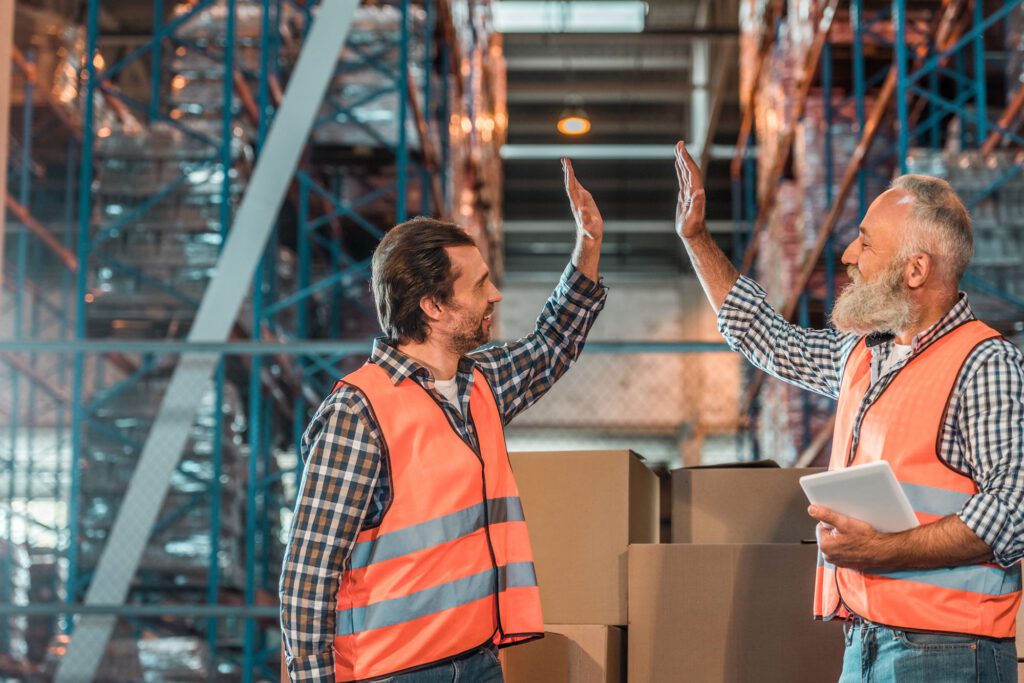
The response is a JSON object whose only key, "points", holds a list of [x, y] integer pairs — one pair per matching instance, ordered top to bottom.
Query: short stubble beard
{"points": [[468, 335]]}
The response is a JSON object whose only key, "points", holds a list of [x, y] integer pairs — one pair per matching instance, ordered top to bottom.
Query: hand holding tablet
{"points": [[869, 493]]}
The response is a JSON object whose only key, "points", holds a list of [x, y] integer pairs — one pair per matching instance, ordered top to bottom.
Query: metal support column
{"points": [[899, 11], [6, 63], [981, 91]]}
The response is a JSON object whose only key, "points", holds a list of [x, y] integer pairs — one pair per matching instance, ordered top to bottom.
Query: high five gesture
{"points": [[690, 202], [589, 224]]}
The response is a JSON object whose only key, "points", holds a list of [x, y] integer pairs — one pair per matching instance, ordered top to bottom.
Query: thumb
{"points": [[823, 514]]}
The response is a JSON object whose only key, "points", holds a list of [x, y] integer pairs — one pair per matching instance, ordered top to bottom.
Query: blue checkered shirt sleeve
{"points": [[811, 359], [522, 371], [990, 421], [342, 465]]}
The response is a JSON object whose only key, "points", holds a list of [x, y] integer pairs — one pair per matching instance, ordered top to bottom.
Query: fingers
{"points": [[683, 159], [682, 169], [689, 169], [692, 171], [566, 173], [572, 185], [826, 516]]}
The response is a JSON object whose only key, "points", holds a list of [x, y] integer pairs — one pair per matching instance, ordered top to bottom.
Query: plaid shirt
{"points": [[983, 432], [344, 487]]}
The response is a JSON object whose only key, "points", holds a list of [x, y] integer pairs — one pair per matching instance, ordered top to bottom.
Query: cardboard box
{"points": [[740, 504], [583, 509], [727, 613], [1020, 633], [595, 654], [545, 660]]}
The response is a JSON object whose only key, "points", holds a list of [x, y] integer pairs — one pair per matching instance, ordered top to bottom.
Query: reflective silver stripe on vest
{"points": [[934, 501], [436, 531], [972, 578], [435, 599]]}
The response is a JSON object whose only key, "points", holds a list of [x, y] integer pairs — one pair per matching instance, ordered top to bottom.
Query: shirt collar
{"points": [[954, 317], [400, 366]]}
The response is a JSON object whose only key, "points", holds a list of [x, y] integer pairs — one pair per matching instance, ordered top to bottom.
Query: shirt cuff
{"points": [[580, 288], [741, 306], [990, 519], [319, 667]]}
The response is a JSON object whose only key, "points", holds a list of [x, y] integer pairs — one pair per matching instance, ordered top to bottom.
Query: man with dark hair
{"points": [[408, 557]]}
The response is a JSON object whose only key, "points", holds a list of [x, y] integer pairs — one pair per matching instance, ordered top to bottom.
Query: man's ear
{"points": [[919, 269], [431, 308]]}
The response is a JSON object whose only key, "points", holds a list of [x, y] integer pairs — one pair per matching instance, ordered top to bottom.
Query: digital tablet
{"points": [[869, 493]]}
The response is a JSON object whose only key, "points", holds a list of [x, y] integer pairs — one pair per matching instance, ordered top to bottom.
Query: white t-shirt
{"points": [[898, 354], [449, 388]]}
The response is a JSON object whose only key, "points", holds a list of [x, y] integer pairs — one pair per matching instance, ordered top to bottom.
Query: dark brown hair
{"points": [[410, 263]]}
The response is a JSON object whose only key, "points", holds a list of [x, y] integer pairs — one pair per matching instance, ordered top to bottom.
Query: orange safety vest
{"points": [[903, 426], [449, 568]]}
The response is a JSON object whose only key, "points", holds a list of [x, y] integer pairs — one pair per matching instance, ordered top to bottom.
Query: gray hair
{"points": [[941, 226]]}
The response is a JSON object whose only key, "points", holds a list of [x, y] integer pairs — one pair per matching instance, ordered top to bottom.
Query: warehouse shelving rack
{"points": [[908, 94], [98, 370], [93, 391], [37, 399]]}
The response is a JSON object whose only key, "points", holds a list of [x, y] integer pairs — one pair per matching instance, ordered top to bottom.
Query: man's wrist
{"points": [[700, 235], [586, 256]]}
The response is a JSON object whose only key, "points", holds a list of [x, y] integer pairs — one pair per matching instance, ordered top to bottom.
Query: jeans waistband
{"points": [[854, 622], [489, 647]]}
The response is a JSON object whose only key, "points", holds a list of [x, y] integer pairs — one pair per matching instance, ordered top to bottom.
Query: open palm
{"points": [[690, 204], [588, 219]]}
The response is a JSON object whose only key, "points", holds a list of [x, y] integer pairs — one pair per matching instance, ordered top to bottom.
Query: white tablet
{"points": [[866, 492]]}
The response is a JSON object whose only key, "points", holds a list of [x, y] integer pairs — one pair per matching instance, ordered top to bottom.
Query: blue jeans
{"points": [[876, 654], [479, 666]]}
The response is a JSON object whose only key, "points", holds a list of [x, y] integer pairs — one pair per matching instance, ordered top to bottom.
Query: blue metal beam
{"points": [[966, 39]]}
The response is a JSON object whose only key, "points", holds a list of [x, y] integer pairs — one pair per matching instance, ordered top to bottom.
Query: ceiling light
{"points": [[581, 16], [574, 121], [574, 125]]}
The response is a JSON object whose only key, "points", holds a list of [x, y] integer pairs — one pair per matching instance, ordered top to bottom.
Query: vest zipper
{"points": [[483, 481], [487, 522]]}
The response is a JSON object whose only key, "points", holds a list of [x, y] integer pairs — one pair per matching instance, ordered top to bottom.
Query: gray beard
{"points": [[879, 306]]}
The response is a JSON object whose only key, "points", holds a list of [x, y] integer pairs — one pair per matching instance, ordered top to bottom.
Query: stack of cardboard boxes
{"points": [[584, 510], [728, 600], [1020, 643]]}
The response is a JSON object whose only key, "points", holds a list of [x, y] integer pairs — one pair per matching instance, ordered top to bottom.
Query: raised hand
{"points": [[690, 204], [589, 223]]}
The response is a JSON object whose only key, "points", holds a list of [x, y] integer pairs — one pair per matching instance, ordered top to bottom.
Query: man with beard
{"points": [[925, 386], [408, 556]]}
